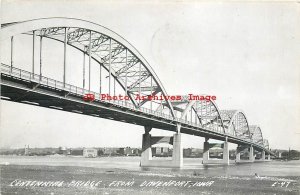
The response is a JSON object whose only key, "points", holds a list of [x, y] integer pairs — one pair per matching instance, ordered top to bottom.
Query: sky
{"points": [[246, 54]]}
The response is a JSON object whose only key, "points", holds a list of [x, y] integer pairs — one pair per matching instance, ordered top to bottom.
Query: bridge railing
{"points": [[52, 83]]}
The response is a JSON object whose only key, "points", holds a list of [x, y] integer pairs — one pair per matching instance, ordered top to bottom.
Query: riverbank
{"points": [[122, 175], [41, 179]]}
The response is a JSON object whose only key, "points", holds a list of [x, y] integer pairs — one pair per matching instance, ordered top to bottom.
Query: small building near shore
{"points": [[64, 151], [111, 151], [127, 151], [161, 151], [77, 152], [90, 152]]}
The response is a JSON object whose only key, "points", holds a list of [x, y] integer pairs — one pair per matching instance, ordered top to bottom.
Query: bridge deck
{"points": [[22, 86]]}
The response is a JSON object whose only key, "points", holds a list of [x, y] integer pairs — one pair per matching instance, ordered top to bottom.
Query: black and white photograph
{"points": [[149, 97]]}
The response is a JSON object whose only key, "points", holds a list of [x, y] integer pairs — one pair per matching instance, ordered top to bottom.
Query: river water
{"points": [[191, 165]]}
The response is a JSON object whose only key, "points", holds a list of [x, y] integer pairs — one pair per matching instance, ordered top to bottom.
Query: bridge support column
{"points": [[148, 140], [239, 149], [205, 151], [226, 153], [251, 154], [146, 155], [237, 155], [263, 155], [269, 157], [177, 158], [207, 160]]}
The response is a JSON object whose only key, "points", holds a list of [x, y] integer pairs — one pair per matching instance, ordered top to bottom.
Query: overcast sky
{"points": [[247, 54]]}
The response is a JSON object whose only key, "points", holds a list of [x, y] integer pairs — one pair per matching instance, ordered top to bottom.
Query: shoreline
{"points": [[76, 179]]}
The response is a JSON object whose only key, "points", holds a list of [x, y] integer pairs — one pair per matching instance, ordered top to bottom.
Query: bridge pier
{"points": [[148, 141], [146, 147], [242, 148], [251, 154], [177, 156], [237, 156], [263, 156], [207, 160]]}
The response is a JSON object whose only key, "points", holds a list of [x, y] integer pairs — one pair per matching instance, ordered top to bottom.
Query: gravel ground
{"points": [[39, 179]]}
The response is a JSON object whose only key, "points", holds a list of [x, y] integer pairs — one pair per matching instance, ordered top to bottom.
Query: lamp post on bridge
{"points": [[90, 46], [41, 47], [33, 51], [11, 53], [65, 55], [83, 68]]}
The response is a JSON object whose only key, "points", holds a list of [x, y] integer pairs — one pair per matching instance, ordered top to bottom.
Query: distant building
{"points": [[63, 151], [100, 151], [111, 151], [121, 151], [126, 151], [161, 151], [77, 152], [90, 152], [136, 152], [187, 152], [192, 152], [197, 153], [216, 153], [279, 153], [232, 154]]}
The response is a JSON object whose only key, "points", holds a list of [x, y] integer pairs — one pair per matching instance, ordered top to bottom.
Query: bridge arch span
{"points": [[111, 51], [130, 70], [199, 112], [236, 123], [256, 134], [266, 144]]}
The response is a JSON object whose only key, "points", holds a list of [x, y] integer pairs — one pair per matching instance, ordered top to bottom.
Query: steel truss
{"points": [[132, 73]]}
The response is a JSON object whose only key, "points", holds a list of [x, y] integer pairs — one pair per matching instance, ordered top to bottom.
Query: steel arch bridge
{"points": [[121, 69]]}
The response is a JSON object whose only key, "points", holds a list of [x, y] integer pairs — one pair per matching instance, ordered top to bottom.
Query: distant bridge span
{"points": [[121, 69]]}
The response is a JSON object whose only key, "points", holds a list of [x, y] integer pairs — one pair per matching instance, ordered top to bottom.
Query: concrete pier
{"points": [[243, 148], [205, 151], [251, 154], [263, 155], [146, 156], [237, 156], [177, 157], [207, 160]]}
